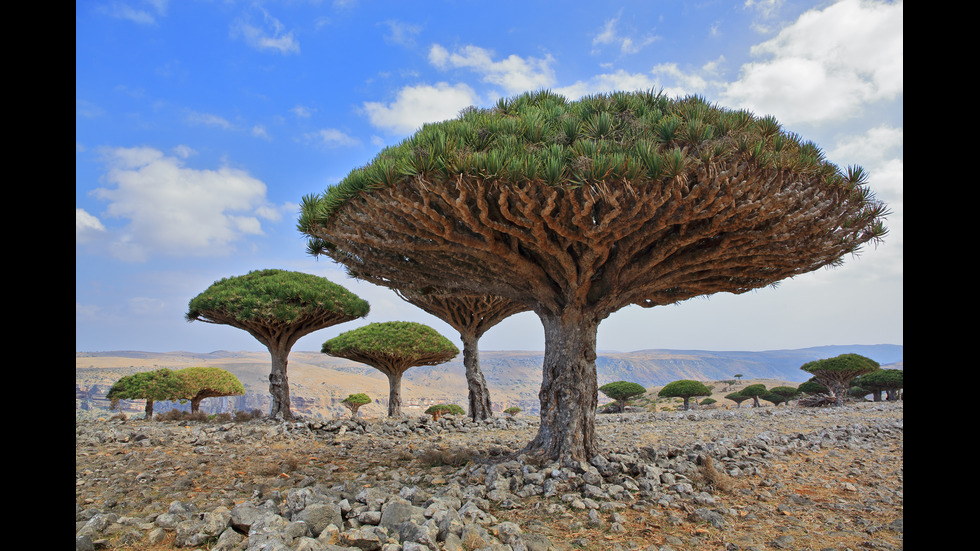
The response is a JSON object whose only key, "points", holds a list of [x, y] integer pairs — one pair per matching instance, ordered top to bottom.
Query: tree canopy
{"points": [[577, 209], [277, 307], [472, 316], [392, 348], [836, 373], [879, 380], [208, 382], [152, 386], [686, 389], [622, 392], [755, 392], [737, 397], [353, 402], [439, 410]]}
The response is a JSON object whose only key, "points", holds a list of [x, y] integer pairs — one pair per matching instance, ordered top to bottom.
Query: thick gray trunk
{"points": [[476, 383], [279, 386], [569, 390], [394, 395], [148, 409]]}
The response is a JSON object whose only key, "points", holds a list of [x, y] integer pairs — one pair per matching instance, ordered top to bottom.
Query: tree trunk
{"points": [[279, 385], [838, 388], [569, 389], [394, 394], [479, 395], [195, 404], [149, 409]]}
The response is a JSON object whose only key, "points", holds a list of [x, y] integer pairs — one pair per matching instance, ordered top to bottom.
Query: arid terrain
{"points": [[821, 478]]}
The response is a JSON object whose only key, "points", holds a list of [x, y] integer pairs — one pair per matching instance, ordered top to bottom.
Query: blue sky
{"points": [[200, 125]]}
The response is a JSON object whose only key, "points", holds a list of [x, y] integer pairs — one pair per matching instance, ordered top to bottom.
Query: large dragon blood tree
{"points": [[580, 208]]}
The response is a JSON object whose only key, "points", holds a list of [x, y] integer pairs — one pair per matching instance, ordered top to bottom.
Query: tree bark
{"points": [[279, 385], [569, 388], [394, 394], [479, 395], [149, 409]]}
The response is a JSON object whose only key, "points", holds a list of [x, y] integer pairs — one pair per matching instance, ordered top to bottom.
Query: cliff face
{"points": [[318, 382]]}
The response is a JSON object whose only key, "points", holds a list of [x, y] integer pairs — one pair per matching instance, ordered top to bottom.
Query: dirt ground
{"points": [[832, 498]]}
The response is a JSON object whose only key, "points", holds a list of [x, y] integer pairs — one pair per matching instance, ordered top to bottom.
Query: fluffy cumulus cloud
{"points": [[827, 65], [513, 74], [665, 77], [416, 105], [170, 209]]}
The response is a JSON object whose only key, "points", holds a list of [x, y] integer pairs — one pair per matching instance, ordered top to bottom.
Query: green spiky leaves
{"points": [[636, 137], [276, 297]]}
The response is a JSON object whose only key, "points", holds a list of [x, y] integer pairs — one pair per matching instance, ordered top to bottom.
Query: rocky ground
{"points": [[741, 479]]}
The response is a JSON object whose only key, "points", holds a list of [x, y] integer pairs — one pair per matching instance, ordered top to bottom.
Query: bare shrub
{"points": [[710, 476]]}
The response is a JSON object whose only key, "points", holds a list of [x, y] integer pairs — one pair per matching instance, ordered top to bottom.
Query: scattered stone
{"points": [[391, 507]]}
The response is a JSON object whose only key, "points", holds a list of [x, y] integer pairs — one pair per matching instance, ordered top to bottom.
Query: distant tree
{"points": [[277, 307], [472, 316], [392, 348], [836, 373], [738, 376], [882, 380], [208, 382], [152, 386], [812, 387], [685, 389], [622, 392], [755, 392], [786, 392], [857, 393], [737, 397], [774, 398], [353, 402], [707, 402], [439, 410], [512, 410]]}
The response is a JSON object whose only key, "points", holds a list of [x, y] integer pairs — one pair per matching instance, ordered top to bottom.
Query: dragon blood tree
{"points": [[577, 209], [277, 307], [472, 316], [392, 347], [836, 373], [208, 382], [353, 402]]}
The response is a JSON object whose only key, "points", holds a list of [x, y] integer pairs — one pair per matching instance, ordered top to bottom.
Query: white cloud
{"points": [[145, 14], [400, 32], [269, 36], [627, 45], [828, 65], [513, 73], [666, 77], [609, 82], [416, 105], [302, 111], [207, 119], [260, 131], [331, 137], [876, 146], [174, 210], [87, 227]]}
